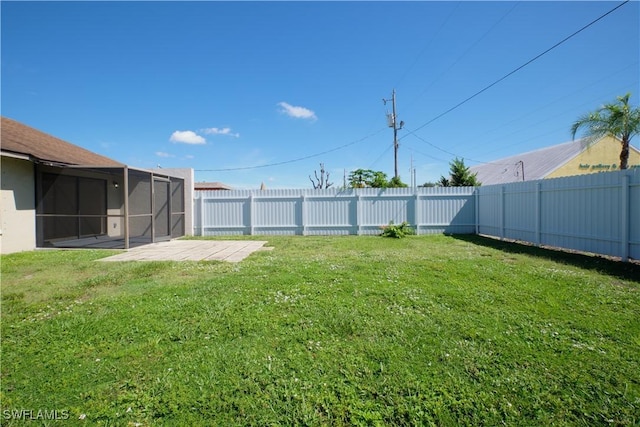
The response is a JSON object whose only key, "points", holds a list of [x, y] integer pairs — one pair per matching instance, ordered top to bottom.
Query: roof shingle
{"points": [[21, 139], [211, 186]]}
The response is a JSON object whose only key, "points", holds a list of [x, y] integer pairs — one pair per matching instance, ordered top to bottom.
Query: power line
{"points": [[486, 33], [423, 50], [518, 68], [546, 106], [538, 123], [412, 132], [427, 142], [413, 150], [445, 151], [381, 155], [284, 162]]}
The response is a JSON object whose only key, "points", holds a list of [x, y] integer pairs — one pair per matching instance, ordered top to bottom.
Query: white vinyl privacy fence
{"points": [[333, 211], [597, 213]]}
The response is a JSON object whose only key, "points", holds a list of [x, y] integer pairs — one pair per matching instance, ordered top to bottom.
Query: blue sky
{"points": [[253, 92]]}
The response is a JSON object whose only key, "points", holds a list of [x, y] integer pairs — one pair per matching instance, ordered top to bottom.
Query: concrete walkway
{"points": [[192, 250]]}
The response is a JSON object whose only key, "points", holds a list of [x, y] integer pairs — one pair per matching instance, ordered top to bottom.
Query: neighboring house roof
{"points": [[20, 139], [537, 164], [211, 186]]}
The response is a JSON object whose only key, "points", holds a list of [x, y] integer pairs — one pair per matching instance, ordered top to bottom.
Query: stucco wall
{"points": [[603, 156], [187, 175], [17, 201]]}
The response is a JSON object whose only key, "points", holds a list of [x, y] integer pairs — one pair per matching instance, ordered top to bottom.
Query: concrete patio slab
{"points": [[192, 250]]}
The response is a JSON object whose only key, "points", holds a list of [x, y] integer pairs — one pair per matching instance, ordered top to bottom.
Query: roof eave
{"points": [[16, 155]]}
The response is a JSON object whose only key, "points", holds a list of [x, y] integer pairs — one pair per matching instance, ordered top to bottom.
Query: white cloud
{"points": [[296, 111], [220, 131], [187, 137], [163, 154], [189, 157]]}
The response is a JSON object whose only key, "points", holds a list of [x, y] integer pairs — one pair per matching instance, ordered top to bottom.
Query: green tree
{"points": [[616, 119], [460, 176], [361, 178], [379, 180], [396, 182], [443, 182], [429, 184]]}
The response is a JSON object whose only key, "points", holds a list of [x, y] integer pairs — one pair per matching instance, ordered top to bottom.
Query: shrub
{"points": [[397, 230]]}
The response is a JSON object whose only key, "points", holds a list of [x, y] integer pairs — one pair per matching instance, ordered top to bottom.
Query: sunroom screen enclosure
{"points": [[110, 207]]}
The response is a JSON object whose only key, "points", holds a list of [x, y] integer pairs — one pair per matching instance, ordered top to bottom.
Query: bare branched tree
{"points": [[322, 181]]}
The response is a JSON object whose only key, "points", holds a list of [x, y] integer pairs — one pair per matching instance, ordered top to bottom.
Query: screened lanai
{"points": [[106, 207]]}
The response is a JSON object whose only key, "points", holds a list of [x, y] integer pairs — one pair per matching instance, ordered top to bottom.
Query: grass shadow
{"points": [[623, 270]]}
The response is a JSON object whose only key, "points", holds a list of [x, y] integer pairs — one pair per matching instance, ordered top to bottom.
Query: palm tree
{"points": [[616, 119]]}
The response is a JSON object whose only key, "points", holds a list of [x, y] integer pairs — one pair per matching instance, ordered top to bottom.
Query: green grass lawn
{"points": [[427, 330]]}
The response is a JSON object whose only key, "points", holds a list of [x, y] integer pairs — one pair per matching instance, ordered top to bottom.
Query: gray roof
{"points": [[537, 164]]}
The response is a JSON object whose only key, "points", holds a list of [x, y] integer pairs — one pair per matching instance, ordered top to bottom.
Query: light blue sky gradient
{"points": [[225, 85]]}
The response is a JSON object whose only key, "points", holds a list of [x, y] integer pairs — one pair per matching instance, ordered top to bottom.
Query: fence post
{"points": [[476, 200], [251, 207], [538, 207], [201, 209], [416, 210], [502, 211], [303, 215], [358, 219], [625, 229]]}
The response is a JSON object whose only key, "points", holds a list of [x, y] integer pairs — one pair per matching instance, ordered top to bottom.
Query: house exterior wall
{"points": [[603, 156], [115, 207], [17, 211]]}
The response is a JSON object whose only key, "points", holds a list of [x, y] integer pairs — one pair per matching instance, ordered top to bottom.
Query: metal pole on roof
{"points": [[521, 163]]}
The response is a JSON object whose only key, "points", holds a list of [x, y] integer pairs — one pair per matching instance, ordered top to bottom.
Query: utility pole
{"points": [[393, 123]]}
